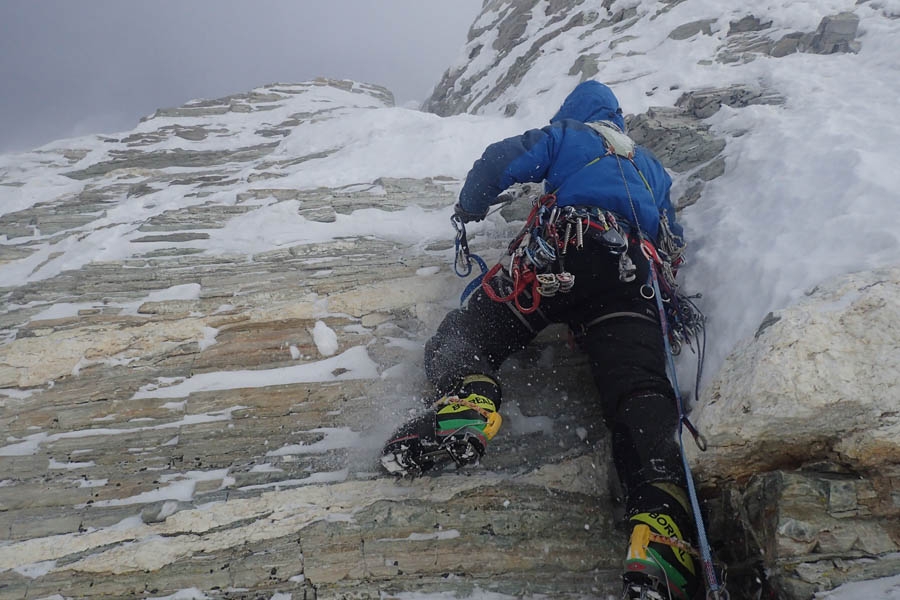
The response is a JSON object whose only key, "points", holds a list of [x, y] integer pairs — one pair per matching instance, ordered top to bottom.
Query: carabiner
{"points": [[462, 264]]}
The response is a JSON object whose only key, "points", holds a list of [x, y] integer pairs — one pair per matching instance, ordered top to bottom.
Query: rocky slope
{"points": [[188, 413], [173, 421]]}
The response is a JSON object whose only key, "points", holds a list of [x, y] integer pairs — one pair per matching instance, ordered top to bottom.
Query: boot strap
{"points": [[674, 542]]}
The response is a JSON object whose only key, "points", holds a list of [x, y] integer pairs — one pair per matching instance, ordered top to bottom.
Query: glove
{"points": [[465, 216]]}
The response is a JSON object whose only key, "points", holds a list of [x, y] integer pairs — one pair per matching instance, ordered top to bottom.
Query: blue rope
{"points": [[475, 283], [714, 590]]}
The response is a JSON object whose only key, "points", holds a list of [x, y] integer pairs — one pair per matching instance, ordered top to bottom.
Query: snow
{"points": [[187, 291], [61, 310], [69, 310], [209, 337], [325, 339], [351, 364], [15, 394], [339, 437], [32, 443], [54, 464], [265, 468], [315, 478], [89, 483], [180, 487], [181, 490], [448, 534], [36, 569], [886, 588], [185, 594], [477, 594]]}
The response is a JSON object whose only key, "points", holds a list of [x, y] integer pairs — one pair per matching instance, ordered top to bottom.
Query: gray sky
{"points": [[75, 67]]}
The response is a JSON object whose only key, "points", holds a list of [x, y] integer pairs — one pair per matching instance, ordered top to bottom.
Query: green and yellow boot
{"points": [[455, 429], [660, 562]]}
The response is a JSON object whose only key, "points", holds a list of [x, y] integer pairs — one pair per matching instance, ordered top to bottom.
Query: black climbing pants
{"points": [[619, 330]]}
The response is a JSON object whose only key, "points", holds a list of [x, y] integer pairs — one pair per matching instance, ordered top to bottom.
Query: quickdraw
{"points": [[532, 253], [462, 263], [687, 325]]}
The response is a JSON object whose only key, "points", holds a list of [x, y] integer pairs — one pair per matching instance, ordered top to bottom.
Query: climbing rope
{"points": [[712, 585], [714, 590]]}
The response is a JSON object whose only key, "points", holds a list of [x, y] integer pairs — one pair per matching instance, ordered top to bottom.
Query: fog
{"points": [[97, 66]]}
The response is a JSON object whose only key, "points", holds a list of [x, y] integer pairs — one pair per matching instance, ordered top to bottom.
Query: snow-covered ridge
{"points": [[523, 55], [259, 118], [111, 197]]}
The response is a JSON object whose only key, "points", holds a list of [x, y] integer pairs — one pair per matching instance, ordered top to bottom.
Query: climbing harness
{"points": [[537, 254]]}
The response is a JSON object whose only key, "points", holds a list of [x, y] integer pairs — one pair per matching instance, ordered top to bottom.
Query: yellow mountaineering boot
{"points": [[455, 429], [660, 561]]}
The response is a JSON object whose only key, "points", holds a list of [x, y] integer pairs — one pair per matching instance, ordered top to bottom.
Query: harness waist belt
{"points": [[618, 315]]}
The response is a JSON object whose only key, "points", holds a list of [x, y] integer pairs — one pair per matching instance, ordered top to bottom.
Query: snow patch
{"points": [[325, 339], [354, 363], [335, 438], [69, 465], [35, 570]]}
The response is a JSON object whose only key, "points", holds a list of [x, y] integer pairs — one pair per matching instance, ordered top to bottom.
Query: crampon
{"points": [[412, 455]]}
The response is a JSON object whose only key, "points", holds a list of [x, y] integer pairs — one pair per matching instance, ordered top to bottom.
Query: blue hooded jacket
{"points": [[562, 153]]}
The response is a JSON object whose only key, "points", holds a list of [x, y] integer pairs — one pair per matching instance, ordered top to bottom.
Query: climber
{"points": [[583, 259]]}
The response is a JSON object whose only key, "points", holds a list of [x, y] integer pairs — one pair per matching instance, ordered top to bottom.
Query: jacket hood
{"points": [[591, 101]]}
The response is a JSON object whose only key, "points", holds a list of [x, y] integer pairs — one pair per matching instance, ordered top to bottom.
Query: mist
{"points": [[98, 66]]}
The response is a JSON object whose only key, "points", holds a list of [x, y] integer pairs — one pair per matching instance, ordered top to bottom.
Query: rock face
{"points": [[750, 37], [500, 47], [834, 354], [190, 416], [174, 422], [804, 435], [120, 479]]}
